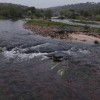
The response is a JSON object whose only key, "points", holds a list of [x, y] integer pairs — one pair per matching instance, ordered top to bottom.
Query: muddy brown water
{"points": [[29, 72]]}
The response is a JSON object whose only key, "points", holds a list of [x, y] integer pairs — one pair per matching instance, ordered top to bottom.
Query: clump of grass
{"points": [[2, 17], [85, 22], [45, 23], [86, 27], [97, 30], [96, 42]]}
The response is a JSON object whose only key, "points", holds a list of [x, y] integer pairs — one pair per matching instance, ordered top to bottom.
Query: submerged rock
{"points": [[62, 31], [2, 49], [58, 56]]}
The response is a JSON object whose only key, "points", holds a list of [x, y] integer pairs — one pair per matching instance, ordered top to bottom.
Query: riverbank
{"points": [[60, 31]]}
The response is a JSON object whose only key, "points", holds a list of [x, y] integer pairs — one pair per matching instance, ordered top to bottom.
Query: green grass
{"points": [[2, 17], [85, 22], [45, 23], [95, 30]]}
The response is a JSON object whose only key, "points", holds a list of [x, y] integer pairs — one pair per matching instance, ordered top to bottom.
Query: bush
{"points": [[86, 27], [96, 42]]}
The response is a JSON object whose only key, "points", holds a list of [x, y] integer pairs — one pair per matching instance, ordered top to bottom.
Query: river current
{"points": [[28, 70]]}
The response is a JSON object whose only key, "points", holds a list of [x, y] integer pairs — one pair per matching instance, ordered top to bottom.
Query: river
{"points": [[70, 22], [28, 70]]}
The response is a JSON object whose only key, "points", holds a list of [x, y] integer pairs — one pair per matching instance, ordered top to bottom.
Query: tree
{"points": [[32, 9], [48, 13], [62, 13], [66, 13], [86, 13]]}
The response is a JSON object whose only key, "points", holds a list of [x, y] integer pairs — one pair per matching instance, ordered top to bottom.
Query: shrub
{"points": [[86, 27], [96, 42]]}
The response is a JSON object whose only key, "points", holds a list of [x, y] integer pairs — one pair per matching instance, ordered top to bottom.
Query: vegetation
{"points": [[89, 10], [13, 11], [83, 11], [48, 13], [2, 17], [84, 22], [46, 23], [86, 27], [96, 42]]}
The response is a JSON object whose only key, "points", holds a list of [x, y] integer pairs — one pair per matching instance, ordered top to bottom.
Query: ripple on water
{"points": [[77, 52], [21, 53], [23, 56]]}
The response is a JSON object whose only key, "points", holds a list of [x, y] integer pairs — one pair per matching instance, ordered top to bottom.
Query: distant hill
{"points": [[76, 7], [8, 10], [13, 11]]}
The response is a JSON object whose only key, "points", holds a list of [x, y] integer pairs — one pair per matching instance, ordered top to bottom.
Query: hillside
{"points": [[80, 6], [8, 10], [87, 10]]}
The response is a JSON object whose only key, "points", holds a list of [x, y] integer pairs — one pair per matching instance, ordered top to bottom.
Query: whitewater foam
{"points": [[14, 54]]}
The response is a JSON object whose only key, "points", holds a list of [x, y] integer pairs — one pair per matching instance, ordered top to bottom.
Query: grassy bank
{"points": [[2, 17], [85, 22], [45, 23], [67, 32]]}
